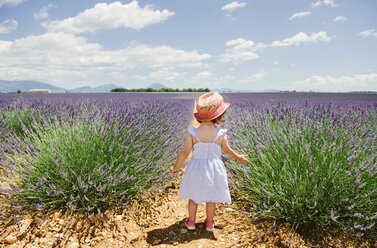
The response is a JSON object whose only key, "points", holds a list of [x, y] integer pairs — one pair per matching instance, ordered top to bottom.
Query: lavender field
{"points": [[313, 156]]}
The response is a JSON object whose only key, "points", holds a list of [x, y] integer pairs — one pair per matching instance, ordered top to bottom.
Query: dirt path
{"points": [[157, 221]]}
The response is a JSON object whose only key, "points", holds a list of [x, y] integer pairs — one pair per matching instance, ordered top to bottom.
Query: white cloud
{"points": [[10, 2], [324, 2], [233, 5], [42, 13], [300, 14], [110, 16], [339, 19], [7, 26], [369, 32], [301, 38], [240, 50], [230, 55], [65, 58], [164, 74], [203, 74], [118, 75], [258, 76], [227, 77], [253, 77], [140, 78], [345, 83]]}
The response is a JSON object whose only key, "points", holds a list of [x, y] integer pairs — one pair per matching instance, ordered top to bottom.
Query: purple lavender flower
{"points": [[62, 173], [80, 183], [14, 187], [267, 192], [17, 207], [358, 215]]}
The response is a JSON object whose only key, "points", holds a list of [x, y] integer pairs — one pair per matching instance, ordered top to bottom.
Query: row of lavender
{"points": [[88, 154], [313, 163]]}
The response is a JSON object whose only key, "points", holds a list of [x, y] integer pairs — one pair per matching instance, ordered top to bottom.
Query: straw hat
{"points": [[210, 106]]}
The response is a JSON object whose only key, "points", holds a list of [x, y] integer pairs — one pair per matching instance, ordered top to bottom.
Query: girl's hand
{"points": [[243, 159], [173, 170]]}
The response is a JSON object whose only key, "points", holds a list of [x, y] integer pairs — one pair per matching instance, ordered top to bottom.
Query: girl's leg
{"points": [[192, 208], [210, 210]]}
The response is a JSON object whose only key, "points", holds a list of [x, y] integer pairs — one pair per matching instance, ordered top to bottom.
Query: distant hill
{"points": [[22, 85], [157, 86], [102, 88]]}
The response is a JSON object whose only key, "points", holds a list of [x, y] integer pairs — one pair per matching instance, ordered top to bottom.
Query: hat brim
{"points": [[220, 110]]}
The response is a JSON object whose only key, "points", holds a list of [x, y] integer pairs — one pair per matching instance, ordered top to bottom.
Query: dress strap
{"points": [[192, 130], [220, 132]]}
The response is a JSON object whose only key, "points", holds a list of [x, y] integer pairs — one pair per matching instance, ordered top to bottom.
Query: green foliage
{"points": [[97, 156], [312, 170]]}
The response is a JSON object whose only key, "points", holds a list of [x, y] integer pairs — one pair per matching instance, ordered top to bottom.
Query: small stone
{"points": [[119, 217], [25, 226], [183, 231], [101, 234], [61, 236], [133, 237], [10, 239], [43, 240], [157, 241], [175, 243], [73, 245]]}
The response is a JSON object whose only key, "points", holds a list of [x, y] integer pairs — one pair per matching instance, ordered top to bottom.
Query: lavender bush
{"points": [[95, 155], [311, 164]]}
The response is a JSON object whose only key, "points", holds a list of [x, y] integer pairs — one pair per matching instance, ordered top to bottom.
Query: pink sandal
{"points": [[190, 224], [210, 225]]}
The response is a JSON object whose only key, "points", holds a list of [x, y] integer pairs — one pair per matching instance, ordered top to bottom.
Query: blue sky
{"points": [[318, 45]]}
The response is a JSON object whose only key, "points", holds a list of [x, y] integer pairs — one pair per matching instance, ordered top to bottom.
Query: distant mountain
{"points": [[22, 85], [157, 86], [101, 88]]}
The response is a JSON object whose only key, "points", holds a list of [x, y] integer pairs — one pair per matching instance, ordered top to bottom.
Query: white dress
{"points": [[205, 178]]}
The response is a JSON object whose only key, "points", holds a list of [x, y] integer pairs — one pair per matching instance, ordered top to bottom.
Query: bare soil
{"points": [[157, 220]]}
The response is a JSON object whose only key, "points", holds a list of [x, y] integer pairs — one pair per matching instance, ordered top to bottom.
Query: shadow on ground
{"points": [[178, 233]]}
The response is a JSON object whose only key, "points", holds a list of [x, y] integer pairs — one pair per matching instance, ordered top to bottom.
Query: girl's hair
{"points": [[217, 120]]}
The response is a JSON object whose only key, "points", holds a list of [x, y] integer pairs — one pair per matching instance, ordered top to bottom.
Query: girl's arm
{"points": [[229, 151], [183, 154]]}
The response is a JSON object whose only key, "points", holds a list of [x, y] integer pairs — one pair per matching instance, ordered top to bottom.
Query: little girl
{"points": [[205, 179]]}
